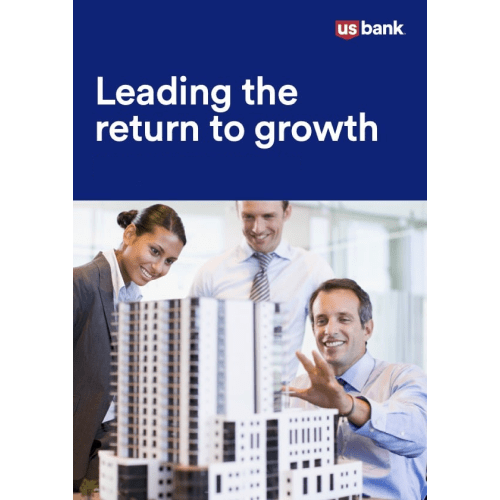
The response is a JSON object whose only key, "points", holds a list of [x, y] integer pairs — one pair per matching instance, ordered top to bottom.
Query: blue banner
{"points": [[250, 100]]}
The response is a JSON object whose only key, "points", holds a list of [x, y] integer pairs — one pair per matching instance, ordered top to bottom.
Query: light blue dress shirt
{"points": [[121, 292], [392, 444]]}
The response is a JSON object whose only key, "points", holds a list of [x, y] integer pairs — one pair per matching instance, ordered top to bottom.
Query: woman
{"points": [[152, 242]]}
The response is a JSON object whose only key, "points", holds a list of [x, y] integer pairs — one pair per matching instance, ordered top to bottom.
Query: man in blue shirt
{"points": [[383, 405]]}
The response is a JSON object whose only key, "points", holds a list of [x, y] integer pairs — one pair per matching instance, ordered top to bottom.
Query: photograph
{"points": [[207, 383]]}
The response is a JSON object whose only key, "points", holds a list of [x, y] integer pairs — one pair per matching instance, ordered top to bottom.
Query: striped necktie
{"points": [[260, 286]]}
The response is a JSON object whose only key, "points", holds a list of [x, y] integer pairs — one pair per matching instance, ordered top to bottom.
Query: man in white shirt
{"points": [[291, 273]]}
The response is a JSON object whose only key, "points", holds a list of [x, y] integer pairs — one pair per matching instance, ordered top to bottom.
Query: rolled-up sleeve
{"points": [[399, 424]]}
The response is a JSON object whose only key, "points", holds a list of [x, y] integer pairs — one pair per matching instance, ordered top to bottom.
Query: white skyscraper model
{"points": [[199, 410]]}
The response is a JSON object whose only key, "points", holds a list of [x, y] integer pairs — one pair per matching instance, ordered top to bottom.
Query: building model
{"points": [[201, 415]]}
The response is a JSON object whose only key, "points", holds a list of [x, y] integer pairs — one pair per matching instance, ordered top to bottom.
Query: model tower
{"points": [[200, 411]]}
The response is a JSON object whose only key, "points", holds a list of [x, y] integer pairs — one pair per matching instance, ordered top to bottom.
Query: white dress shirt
{"points": [[294, 274], [121, 293]]}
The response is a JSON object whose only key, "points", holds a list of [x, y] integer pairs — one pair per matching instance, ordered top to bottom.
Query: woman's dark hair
{"points": [[149, 218]]}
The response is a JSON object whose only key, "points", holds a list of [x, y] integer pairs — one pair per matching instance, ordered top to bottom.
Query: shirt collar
{"points": [[245, 251], [121, 292], [357, 375]]}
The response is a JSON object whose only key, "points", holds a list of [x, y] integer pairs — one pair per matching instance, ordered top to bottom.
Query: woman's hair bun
{"points": [[126, 218], [148, 219]]}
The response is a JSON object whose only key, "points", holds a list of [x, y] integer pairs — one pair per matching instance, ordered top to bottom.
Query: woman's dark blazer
{"points": [[92, 319]]}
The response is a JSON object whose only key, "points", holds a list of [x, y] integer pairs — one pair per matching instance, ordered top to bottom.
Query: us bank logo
{"points": [[352, 29]]}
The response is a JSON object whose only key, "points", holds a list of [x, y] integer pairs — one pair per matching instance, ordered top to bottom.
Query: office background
{"points": [[380, 244]]}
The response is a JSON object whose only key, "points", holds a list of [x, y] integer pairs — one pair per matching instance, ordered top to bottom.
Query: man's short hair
{"points": [[284, 203], [365, 305]]}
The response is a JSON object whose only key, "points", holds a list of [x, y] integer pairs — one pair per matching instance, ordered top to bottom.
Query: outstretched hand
{"points": [[324, 390]]}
